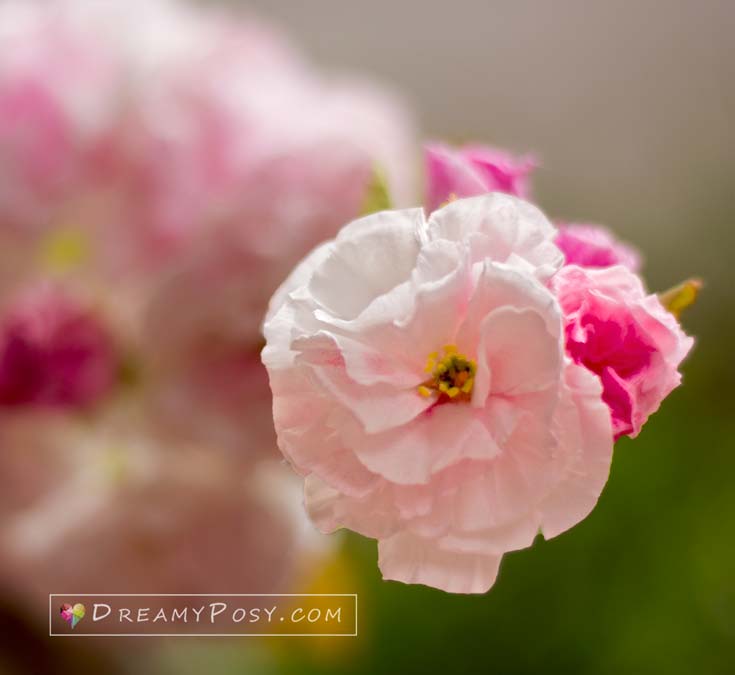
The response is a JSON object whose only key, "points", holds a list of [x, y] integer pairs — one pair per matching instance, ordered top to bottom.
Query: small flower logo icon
{"points": [[72, 615]]}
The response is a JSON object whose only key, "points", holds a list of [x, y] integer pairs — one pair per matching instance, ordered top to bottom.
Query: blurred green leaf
{"points": [[377, 197]]}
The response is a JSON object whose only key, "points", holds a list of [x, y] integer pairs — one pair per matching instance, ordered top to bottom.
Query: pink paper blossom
{"points": [[473, 170], [595, 246], [625, 336], [53, 351], [421, 388]]}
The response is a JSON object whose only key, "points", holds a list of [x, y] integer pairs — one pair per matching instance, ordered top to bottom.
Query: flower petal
{"points": [[501, 228], [369, 257], [585, 438], [410, 455], [412, 560]]}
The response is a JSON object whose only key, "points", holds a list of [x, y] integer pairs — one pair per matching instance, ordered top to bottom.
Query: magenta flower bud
{"points": [[473, 170], [595, 246], [54, 351]]}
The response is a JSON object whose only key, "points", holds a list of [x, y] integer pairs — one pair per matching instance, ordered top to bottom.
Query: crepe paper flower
{"points": [[474, 170], [595, 246], [625, 336], [54, 351], [420, 387]]}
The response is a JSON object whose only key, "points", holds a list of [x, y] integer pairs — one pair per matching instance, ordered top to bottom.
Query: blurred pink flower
{"points": [[143, 124], [180, 161], [173, 162], [473, 170], [595, 246], [623, 335], [201, 341], [54, 351], [420, 386], [30, 462], [129, 514]]}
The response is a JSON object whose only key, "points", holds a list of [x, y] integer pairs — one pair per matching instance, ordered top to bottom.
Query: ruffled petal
{"points": [[501, 228], [369, 257], [519, 353], [583, 427], [409, 455], [329, 509], [412, 560]]}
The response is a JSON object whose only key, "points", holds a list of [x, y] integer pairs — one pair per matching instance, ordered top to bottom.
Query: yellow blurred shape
{"points": [[377, 197], [64, 249], [678, 298]]}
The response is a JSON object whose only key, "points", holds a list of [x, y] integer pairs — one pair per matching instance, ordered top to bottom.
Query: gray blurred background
{"points": [[628, 104]]}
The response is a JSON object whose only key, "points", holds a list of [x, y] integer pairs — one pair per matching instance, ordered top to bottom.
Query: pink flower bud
{"points": [[473, 170], [595, 246]]}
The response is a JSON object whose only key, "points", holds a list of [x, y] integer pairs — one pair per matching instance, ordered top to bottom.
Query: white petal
{"points": [[500, 227], [370, 256], [299, 277], [499, 286]]}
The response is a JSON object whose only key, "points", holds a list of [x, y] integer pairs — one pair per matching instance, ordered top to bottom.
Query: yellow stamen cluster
{"points": [[452, 375]]}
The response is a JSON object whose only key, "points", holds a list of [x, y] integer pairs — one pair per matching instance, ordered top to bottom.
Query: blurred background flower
{"points": [[162, 167]]}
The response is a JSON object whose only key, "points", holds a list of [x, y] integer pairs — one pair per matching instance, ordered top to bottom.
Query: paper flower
{"points": [[473, 170], [595, 246], [625, 336], [421, 388]]}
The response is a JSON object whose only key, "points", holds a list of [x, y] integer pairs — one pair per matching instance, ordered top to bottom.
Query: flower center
{"points": [[452, 375]]}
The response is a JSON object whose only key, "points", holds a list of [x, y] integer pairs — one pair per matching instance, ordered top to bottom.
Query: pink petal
{"points": [[412, 560]]}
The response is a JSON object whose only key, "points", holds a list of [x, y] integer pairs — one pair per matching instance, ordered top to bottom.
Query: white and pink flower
{"points": [[420, 386]]}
